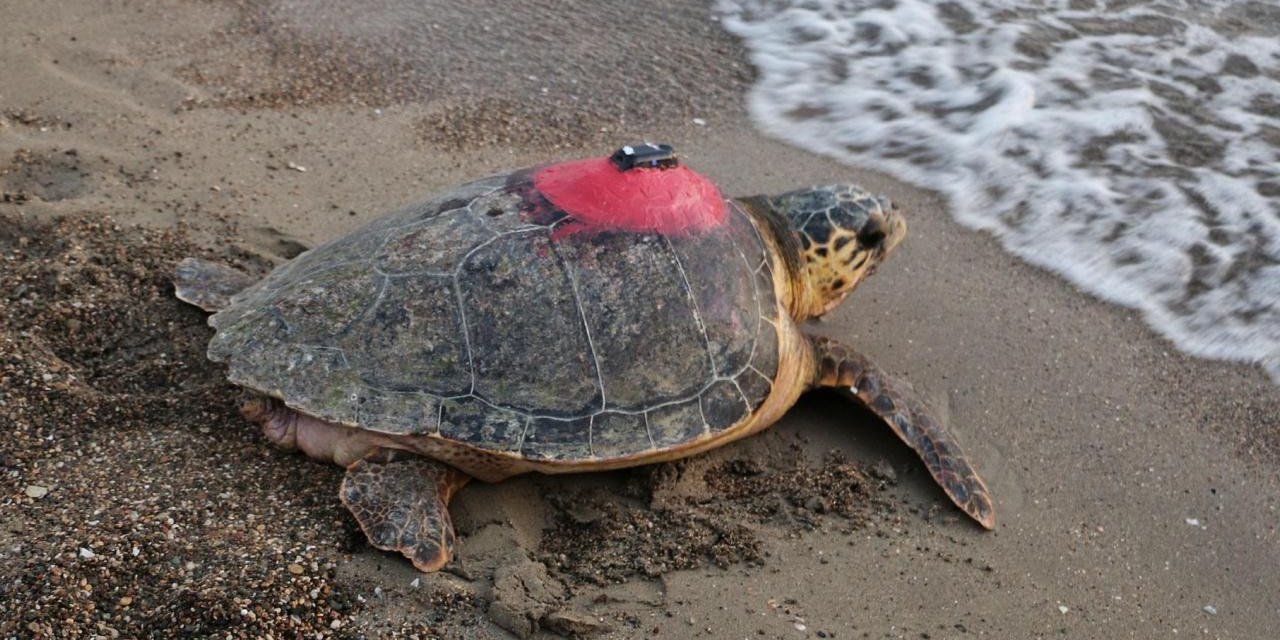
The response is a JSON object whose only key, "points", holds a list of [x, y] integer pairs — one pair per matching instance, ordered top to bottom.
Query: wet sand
{"points": [[1136, 488]]}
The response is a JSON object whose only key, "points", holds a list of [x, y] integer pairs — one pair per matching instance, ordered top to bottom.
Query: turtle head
{"points": [[844, 235]]}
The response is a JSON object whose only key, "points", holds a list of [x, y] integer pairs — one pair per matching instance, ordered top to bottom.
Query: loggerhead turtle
{"points": [[583, 316]]}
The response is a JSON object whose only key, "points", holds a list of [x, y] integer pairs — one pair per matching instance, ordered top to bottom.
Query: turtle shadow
{"points": [[826, 420]]}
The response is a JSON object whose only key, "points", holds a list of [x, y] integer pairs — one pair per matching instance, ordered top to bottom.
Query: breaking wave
{"points": [[1133, 147]]}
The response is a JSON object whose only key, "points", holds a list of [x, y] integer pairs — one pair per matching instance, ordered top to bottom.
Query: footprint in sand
{"points": [[48, 175], [273, 243]]}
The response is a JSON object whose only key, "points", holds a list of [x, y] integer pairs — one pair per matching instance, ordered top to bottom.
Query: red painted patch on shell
{"points": [[598, 196]]}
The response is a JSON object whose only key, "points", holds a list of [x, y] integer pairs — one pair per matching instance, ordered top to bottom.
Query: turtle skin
{"points": [[481, 317]]}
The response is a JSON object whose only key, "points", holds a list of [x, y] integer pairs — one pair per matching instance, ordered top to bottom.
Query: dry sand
{"points": [[1136, 488]]}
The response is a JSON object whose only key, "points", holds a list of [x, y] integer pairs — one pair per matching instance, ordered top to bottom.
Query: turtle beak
{"points": [[894, 226], [882, 233]]}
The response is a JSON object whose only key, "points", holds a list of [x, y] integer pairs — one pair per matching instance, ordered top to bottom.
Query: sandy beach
{"points": [[1138, 489]]}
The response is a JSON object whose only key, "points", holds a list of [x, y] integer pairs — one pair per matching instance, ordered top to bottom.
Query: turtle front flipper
{"points": [[208, 285], [842, 368], [402, 504]]}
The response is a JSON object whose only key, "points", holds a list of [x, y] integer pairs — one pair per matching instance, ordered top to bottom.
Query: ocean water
{"points": [[1131, 146]]}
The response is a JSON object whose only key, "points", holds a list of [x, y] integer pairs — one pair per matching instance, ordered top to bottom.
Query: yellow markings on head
{"points": [[845, 233], [834, 268]]}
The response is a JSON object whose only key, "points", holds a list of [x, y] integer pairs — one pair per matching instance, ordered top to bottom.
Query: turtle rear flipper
{"points": [[208, 285], [842, 368], [402, 504]]}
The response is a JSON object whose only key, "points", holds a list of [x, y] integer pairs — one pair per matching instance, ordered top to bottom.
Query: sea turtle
{"points": [[582, 316]]}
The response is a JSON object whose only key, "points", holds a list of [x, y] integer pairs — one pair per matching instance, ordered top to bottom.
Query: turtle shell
{"points": [[493, 317]]}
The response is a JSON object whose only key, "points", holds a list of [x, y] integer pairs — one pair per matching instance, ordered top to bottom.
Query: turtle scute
{"points": [[434, 245], [728, 302], [643, 323], [410, 340], [528, 343], [722, 403], [673, 424], [482, 425], [615, 434], [551, 438]]}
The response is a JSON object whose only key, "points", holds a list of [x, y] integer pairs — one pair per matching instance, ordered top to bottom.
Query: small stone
{"points": [[700, 122], [884, 471], [36, 491], [584, 513], [86, 553], [295, 568], [417, 582], [126, 601], [1062, 609], [1211, 610], [510, 618], [568, 622], [800, 626]]}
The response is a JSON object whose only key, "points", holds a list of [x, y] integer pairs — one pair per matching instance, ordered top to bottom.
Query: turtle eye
{"points": [[871, 236]]}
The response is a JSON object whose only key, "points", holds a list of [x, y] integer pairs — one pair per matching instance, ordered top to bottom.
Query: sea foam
{"points": [[1135, 150]]}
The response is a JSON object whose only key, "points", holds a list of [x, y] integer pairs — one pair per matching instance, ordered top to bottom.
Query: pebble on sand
{"points": [[37, 491]]}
